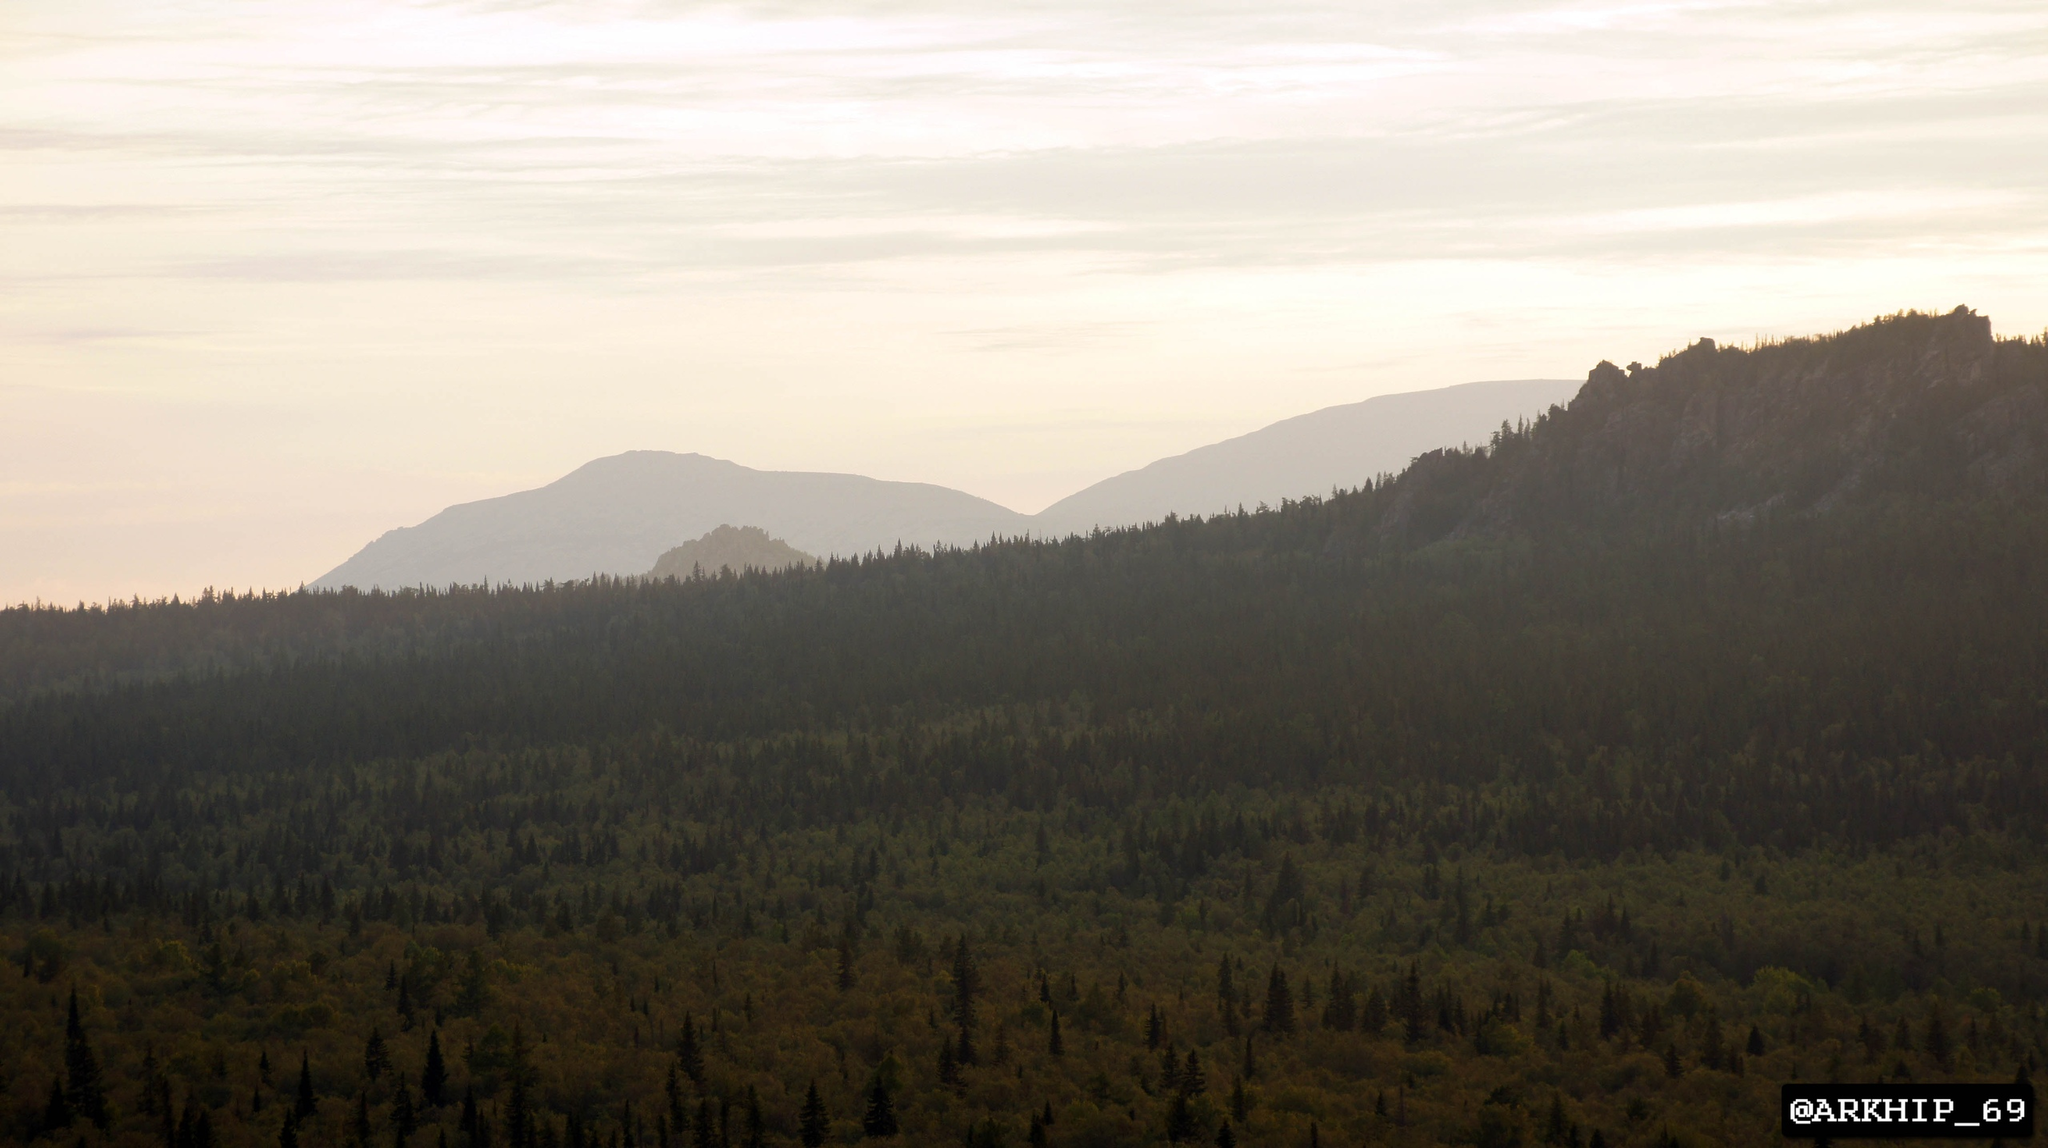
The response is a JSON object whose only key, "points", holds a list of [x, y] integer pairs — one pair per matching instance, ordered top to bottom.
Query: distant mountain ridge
{"points": [[1342, 446], [617, 515]]}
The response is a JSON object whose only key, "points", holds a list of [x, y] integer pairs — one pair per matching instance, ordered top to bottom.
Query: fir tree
{"points": [[1052, 1040], [1936, 1044], [688, 1054], [376, 1058], [434, 1076], [672, 1090], [84, 1091], [306, 1103], [57, 1114], [881, 1115], [405, 1118], [1180, 1120], [519, 1121], [812, 1122], [705, 1128], [757, 1133]]}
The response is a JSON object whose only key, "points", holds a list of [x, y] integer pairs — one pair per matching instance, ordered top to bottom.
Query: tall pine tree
{"points": [[84, 1091]]}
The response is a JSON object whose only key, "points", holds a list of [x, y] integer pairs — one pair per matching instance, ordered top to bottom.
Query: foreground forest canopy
{"points": [[1576, 789]]}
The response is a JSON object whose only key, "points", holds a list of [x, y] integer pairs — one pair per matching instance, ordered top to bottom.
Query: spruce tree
{"points": [[1279, 1003], [1052, 1041], [688, 1054], [376, 1058], [434, 1076], [672, 1089], [85, 1092], [307, 1103], [57, 1114], [881, 1115], [405, 1118], [1180, 1120], [812, 1122], [519, 1123], [757, 1134]]}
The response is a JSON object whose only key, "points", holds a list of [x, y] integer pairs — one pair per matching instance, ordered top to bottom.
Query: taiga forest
{"points": [[1573, 789]]}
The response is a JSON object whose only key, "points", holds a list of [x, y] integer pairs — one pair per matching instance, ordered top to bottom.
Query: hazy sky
{"points": [[277, 277]]}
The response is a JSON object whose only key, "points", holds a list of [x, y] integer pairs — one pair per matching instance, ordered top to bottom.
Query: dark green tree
{"points": [[1279, 1003], [688, 1054], [376, 1058], [434, 1074], [84, 1091], [57, 1114], [405, 1118], [1180, 1119], [880, 1120], [812, 1122], [757, 1134]]}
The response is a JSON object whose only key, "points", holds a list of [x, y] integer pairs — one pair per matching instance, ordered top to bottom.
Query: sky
{"points": [[275, 278]]}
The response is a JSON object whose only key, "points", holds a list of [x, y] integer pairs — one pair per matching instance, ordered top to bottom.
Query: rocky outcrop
{"points": [[1910, 405], [735, 548]]}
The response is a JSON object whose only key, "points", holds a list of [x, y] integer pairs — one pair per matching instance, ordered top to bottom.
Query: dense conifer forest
{"points": [[1574, 789]]}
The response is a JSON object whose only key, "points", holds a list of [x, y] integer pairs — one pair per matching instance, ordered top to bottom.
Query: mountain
{"points": [[1911, 406], [1342, 447], [615, 515], [618, 515], [735, 548]]}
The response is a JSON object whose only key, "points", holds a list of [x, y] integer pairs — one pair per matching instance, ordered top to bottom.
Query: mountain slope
{"points": [[1914, 405], [1342, 446], [615, 515], [618, 515]]}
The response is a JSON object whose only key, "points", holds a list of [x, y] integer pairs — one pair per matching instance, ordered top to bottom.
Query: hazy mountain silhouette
{"points": [[1343, 446], [617, 515], [735, 548]]}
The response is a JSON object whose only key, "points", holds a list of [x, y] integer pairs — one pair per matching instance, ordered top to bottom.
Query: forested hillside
{"points": [[1575, 790]]}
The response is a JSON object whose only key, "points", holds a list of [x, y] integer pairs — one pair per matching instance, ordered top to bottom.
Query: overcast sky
{"points": [[277, 277]]}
